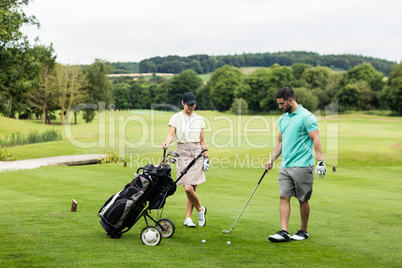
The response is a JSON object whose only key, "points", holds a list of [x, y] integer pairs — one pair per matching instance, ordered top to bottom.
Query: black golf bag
{"points": [[148, 189]]}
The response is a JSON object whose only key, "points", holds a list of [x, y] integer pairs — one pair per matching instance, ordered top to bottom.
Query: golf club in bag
{"points": [[147, 191], [228, 232]]}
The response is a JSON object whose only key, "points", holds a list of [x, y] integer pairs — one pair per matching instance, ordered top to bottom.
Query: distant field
{"points": [[139, 74], [204, 77], [355, 216]]}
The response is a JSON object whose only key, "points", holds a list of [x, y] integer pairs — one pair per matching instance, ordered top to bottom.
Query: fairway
{"points": [[355, 218]]}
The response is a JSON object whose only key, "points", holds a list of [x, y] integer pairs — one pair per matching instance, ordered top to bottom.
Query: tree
{"points": [[13, 18], [196, 67], [18, 68], [299, 68], [363, 72], [278, 77], [317, 77], [258, 82], [69, 83], [179, 84], [222, 86], [98, 88], [160, 93], [392, 93], [121, 95], [140, 96], [306, 98], [348, 98], [41, 99], [203, 100]]}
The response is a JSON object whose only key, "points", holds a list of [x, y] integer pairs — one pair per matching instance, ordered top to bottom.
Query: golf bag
{"points": [[148, 190], [122, 210]]}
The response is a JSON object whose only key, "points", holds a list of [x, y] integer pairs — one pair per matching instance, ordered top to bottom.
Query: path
{"points": [[68, 160]]}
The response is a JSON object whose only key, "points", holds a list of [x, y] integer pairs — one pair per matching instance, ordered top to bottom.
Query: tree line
{"points": [[203, 64], [360, 88]]}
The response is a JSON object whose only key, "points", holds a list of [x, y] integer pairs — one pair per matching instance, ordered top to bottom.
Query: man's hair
{"points": [[285, 93]]}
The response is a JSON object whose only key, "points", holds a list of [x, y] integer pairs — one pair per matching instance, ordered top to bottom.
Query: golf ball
{"points": [[203, 241], [228, 243]]}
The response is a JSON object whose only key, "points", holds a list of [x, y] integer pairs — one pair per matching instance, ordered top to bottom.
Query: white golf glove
{"points": [[206, 164], [321, 169]]}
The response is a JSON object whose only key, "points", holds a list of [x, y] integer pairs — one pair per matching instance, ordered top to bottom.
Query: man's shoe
{"points": [[201, 216], [189, 223], [300, 235], [281, 236]]}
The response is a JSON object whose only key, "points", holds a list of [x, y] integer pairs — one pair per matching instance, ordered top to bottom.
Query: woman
{"points": [[187, 129]]}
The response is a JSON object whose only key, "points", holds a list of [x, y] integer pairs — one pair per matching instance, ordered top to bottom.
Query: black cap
{"points": [[189, 98]]}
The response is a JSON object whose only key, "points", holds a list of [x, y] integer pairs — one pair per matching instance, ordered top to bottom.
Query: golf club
{"points": [[170, 153], [173, 153], [172, 160], [228, 232]]}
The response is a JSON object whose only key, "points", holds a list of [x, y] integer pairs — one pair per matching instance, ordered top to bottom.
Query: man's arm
{"points": [[315, 138], [275, 153], [320, 168]]}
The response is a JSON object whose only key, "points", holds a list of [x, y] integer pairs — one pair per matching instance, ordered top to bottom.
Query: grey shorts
{"points": [[296, 181]]}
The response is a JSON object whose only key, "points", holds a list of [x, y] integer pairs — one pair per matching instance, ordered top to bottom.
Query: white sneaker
{"points": [[201, 216], [189, 223], [300, 235], [281, 236]]}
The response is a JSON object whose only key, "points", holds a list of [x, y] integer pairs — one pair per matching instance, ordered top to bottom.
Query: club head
{"points": [[173, 153], [171, 160], [226, 232]]}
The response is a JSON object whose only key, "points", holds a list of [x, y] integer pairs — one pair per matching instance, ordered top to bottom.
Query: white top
{"points": [[188, 128]]}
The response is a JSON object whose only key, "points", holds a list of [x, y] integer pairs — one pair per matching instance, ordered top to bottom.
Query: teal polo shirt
{"points": [[297, 147]]}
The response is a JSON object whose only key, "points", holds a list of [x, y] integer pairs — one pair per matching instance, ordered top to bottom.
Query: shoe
{"points": [[201, 216], [189, 223], [300, 235], [281, 236]]}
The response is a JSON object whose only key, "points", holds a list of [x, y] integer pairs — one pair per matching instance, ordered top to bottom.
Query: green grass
{"points": [[205, 77], [355, 216]]}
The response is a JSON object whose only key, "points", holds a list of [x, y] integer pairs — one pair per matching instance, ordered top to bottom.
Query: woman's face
{"points": [[188, 109]]}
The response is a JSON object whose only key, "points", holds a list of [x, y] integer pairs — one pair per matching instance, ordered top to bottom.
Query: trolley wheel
{"points": [[168, 227], [151, 236]]}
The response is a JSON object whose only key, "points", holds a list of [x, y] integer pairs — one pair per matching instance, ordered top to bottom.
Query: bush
{"points": [[5, 155], [112, 157]]}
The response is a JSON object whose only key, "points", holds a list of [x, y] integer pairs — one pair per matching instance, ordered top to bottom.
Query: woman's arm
{"points": [[169, 138], [203, 143]]}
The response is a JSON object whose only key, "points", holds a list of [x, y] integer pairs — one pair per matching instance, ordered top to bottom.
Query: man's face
{"points": [[284, 105]]}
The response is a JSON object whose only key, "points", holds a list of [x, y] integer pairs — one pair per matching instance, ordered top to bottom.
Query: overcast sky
{"points": [[130, 31]]}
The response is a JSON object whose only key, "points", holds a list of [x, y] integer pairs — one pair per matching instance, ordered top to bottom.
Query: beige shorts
{"points": [[195, 175]]}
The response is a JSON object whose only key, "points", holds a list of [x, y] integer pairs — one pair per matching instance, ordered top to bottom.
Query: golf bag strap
{"points": [[190, 165]]}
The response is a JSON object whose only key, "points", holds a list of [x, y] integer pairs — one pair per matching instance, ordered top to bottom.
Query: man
{"points": [[298, 134]]}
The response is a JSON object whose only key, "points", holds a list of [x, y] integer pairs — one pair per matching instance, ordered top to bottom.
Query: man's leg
{"points": [[284, 210], [304, 214]]}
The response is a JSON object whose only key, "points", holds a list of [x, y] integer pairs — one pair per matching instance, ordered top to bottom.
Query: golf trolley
{"points": [[147, 191]]}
